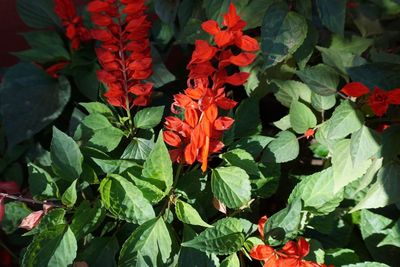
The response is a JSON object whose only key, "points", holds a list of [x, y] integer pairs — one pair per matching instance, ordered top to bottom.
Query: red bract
{"points": [[122, 28], [75, 31], [54, 69], [379, 100], [198, 135], [8, 188], [261, 224]]}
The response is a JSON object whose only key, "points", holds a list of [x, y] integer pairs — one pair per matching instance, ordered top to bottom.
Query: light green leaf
{"points": [[282, 33], [351, 44], [321, 79], [291, 90], [321, 103], [97, 107], [301, 117], [148, 118], [344, 121], [283, 124], [364, 144], [138, 148], [283, 149], [65, 156], [242, 159], [157, 169], [231, 185], [69, 197], [123, 199], [189, 215], [52, 218], [393, 236], [224, 238], [150, 241], [53, 247], [231, 261], [367, 264]]}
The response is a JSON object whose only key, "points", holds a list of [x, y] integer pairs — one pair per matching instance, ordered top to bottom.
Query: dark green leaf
{"points": [[38, 14], [332, 14], [382, 75], [247, 120], [139, 148], [41, 184], [14, 213], [87, 218], [100, 252]]}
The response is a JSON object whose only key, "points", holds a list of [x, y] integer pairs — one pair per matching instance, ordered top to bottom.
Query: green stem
{"points": [[171, 191]]}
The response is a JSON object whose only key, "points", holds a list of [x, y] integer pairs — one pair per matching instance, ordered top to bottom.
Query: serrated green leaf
{"points": [[282, 33], [352, 44], [321, 79], [290, 91], [321, 103], [97, 107], [301, 117], [148, 118], [344, 121], [253, 144], [364, 144], [138, 148], [282, 149], [65, 156], [242, 159], [157, 169], [231, 186], [151, 192], [70, 195], [123, 199], [189, 215], [87, 218], [393, 236], [224, 238], [152, 241], [53, 247], [231, 261]]}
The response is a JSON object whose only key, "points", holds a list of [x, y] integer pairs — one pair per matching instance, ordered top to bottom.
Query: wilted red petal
{"points": [[211, 27], [247, 43], [243, 59], [238, 79], [355, 89], [394, 96], [223, 123], [172, 138], [9, 187], [219, 205], [32, 220], [261, 224], [80, 264]]}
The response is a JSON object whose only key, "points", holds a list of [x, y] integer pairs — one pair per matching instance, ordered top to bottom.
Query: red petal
{"points": [[97, 6], [100, 19], [231, 19], [211, 27], [101, 35], [224, 38], [247, 43], [203, 52], [243, 59], [141, 64], [105, 77], [238, 79], [141, 89], [355, 89], [394, 96], [141, 101], [379, 102], [225, 103], [211, 113], [191, 117], [223, 123], [309, 133], [172, 138], [190, 154], [10, 187], [1, 208], [32, 220], [261, 224], [303, 247], [290, 248], [262, 252]]}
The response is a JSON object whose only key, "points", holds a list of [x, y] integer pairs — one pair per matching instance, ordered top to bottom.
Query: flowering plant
{"points": [[158, 133]]}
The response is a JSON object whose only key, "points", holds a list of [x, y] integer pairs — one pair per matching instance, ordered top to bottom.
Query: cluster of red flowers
{"points": [[122, 28], [75, 31], [379, 100], [198, 134], [6, 188], [290, 255]]}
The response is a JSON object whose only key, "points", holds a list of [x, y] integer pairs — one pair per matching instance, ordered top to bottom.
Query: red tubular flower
{"points": [[122, 28], [75, 31], [199, 134]]}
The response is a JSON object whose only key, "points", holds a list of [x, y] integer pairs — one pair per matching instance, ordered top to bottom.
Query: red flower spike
{"points": [[122, 27], [355, 89], [202, 128], [261, 224]]}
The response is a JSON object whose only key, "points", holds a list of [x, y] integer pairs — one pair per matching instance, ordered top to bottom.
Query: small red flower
{"points": [[355, 89], [309, 133]]}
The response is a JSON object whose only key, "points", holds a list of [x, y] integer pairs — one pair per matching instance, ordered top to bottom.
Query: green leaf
{"points": [[166, 10], [253, 12], [38, 14], [332, 14], [282, 33], [351, 44], [47, 47], [305, 51], [340, 60], [161, 75], [85, 78], [321, 79], [23, 87], [290, 91], [321, 103], [97, 107], [301, 117], [148, 118], [247, 120], [344, 121], [283, 124], [101, 133], [253, 144], [364, 145], [138, 148], [283, 149], [66, 156], [242, 159], [115, 165], [157, 169], [344, 172], [41, 184], [231, 185], [316, 191], [385, 191], [151, 192], [69, 197], [123, 199], [14, 212], [189, 215], [87, 218], [49, 220], [287, 220], [393, 236], [224, 238], [149, 245], [53, 247], [100, 252], [341, 256], [231, 261], [367, 264]]}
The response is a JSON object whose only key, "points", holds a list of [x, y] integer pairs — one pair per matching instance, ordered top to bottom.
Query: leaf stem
{"points": [[30, 200]]}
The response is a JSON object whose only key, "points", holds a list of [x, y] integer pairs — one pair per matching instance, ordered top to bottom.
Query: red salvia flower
{"points": [[122, 28], [76, 32], [379, 100], [198, 135]]}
